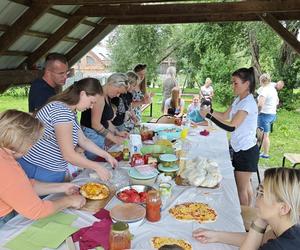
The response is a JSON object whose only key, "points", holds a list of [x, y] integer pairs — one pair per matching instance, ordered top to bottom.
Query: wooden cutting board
{"points": [[94, 206]]}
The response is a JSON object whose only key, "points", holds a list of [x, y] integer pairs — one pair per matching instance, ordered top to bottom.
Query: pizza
{"points": [[94, 191], [200, 212], [158, 242]]}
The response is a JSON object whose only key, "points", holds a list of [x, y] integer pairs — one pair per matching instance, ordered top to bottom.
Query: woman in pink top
{"points": [[18, 132]]}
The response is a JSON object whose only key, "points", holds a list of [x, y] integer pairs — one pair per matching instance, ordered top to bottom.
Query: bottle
{"points": [[126, 154], [153, 204], [120, 237]]}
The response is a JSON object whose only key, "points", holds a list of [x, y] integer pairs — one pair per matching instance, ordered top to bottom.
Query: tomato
{"points": [[124, 197], [135, 197]]}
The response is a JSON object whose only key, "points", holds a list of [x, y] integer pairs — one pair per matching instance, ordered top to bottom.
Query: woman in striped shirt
{"points": [[47, 160]]}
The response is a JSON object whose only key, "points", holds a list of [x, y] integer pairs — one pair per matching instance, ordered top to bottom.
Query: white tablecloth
{"points": [[223, 199]]}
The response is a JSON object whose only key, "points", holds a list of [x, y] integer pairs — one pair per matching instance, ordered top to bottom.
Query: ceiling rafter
{"points": [[93, 2], [112, 11], [200, 18], [24, 22], [284, 33], [39, 34], [54, 39], [89, 41], [16, 53]]}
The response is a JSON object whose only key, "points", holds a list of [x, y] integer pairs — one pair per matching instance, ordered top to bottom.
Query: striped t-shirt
{"points": [[46, 152]]}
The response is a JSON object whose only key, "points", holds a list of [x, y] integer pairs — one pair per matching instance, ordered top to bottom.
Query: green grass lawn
{"points": [[285, 137]]}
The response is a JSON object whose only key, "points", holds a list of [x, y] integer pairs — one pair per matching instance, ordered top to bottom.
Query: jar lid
{"points": [[120, 226]]}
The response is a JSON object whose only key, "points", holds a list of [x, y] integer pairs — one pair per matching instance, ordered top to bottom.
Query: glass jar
{"points": [[153, 204], [120, 237]]}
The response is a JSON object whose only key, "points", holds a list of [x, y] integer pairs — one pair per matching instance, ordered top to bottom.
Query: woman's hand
{"points": [[147, 99], [123, 134], [117, 139], [111, 160], [103, 173], [70, 188], [76, 201], [205, 236]]}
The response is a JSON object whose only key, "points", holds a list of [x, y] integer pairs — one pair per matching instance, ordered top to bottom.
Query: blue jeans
{"points": [[265, 120], [95, 138], [41, 174], [7, 217]]}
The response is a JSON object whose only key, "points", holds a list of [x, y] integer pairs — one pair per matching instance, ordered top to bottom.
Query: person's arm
{"points": [[261, 102], [218, 115], [63, 132], [116, 132], [90, 146], [44, 188], [18, 193], [255, 235], [210, 236]]}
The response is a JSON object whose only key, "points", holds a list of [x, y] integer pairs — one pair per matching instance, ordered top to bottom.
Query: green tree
{"points": [[134, 44]]}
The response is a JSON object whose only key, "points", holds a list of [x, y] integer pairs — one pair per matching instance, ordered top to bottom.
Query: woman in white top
{"points": [[207, 91], [267, 102], [174, 105], [241, 119]]}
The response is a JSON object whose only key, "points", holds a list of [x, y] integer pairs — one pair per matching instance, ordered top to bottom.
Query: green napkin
{"points": [[60, 217], [49, 232], [52, 235], [20, 242]]}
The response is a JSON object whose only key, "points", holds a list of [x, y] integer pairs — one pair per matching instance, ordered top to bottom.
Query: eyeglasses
{"points": [[259, 191]]}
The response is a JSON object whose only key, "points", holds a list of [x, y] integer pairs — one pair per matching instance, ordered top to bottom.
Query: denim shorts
{"points": [[265, 120], [94, 137], [41, 174], [7, 217]]}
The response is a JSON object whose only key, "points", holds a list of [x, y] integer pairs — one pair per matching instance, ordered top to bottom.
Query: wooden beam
{"points": [[23, 2], [93, 2], [190, 9], [200, 18], [21, 25], [39, 34], [285, 34], [57, 36], [88, 42], [16, 53], [17, 77]]}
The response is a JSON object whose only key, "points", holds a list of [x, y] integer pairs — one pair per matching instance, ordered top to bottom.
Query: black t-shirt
{"points": [[39, 93], [123, 103], [107, 115], [289, 240]]}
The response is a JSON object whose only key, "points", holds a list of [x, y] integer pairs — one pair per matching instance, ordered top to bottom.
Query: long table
{"points": [[223, 199]]}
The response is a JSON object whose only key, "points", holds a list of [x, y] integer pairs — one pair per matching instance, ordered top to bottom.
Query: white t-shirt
{"points": [[207, 91], [271, 99], [244, 137]]}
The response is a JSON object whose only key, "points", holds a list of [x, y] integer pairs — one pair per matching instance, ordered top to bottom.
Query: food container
{"points": [[169, 134], [156, 150], [168, 160], [169, 171], [137, 178], [138, 188], [165, 189]]}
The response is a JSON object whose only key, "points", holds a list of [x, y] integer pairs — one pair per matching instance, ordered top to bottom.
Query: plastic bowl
{"points": [[168, 160], [138, 179], [138, 188]]}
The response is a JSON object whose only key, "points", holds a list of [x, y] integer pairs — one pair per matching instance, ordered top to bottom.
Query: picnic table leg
{"points": [[151, 109]]}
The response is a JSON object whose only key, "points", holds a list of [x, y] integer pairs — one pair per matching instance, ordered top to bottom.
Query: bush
{"points": [[17, 91]]}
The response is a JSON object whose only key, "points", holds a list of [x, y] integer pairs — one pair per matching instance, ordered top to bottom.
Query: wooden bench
{"points": [[145, 106]]}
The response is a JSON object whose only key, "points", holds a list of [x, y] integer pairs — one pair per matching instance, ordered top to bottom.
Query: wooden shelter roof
{"points": [[30, 29]]}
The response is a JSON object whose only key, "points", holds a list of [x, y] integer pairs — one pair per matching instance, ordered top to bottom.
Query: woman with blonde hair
{"points": [[168, 84], [207, 91], [267, 102], [174, 105], [96, 122], [18, 132], [48, 159], [278, 204]]}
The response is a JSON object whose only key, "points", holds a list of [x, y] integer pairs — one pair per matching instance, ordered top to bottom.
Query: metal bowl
{"points": [[138, 188]]}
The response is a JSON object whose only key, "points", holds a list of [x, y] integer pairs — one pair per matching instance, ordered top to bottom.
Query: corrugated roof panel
{"points": [[69, 9], [10, 11], [94, 19], [48, 23], [80, 31], [27, 43], [62, 47], [10, 62]]}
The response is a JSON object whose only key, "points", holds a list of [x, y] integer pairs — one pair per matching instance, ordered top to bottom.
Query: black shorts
{"points": [[246, 160]]}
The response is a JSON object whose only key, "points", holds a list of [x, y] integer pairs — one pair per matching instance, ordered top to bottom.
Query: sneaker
{"points": [[264, 156]]}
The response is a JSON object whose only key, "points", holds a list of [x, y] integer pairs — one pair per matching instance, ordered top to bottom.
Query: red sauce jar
{"points": [[153, 204], [120, 237]]}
